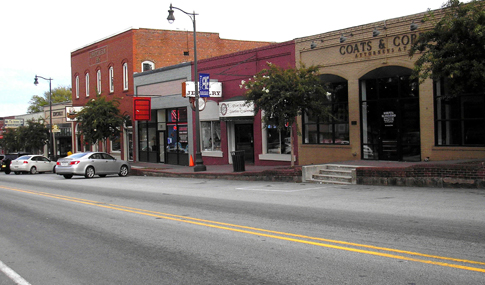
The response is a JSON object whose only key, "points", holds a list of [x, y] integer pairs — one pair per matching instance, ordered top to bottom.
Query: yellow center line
{"points": [[316, 241]]}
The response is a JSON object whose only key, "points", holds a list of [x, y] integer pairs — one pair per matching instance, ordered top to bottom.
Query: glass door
{"points": [[245, 140]]}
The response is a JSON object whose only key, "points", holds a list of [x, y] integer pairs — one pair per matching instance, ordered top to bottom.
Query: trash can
{"points": [[238, 160]]}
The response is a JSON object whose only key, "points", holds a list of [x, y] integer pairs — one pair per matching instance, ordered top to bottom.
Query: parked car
{"points": [[7, 159], [32, 164], [90, 164]]}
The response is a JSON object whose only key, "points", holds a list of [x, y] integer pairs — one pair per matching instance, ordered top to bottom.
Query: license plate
{"points": [[63, 163]]}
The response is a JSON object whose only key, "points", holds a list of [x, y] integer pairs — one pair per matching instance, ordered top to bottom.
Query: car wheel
{"points": [[54, 169], [33, 170], [123, 171], [7, 172], [89, 172], [102, 175], [67, 176]]}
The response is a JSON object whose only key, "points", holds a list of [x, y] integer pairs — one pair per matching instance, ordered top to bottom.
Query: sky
{"points": [[39, 36]]}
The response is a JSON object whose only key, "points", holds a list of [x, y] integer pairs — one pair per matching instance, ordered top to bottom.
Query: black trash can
{"points": [[238, 160]]}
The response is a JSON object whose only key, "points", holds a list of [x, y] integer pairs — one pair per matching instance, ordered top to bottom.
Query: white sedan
{"points": [[32, 164]]}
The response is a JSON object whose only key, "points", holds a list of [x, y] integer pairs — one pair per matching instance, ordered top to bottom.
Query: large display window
{"points": [[390, 116], [460, 120]]}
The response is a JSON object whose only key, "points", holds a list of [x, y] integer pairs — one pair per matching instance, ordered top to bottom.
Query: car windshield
{"points": [[77, 155], [25, 157]]}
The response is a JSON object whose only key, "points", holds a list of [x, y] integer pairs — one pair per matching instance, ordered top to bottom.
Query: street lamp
{"points": [[51, 140], [199, 164]]}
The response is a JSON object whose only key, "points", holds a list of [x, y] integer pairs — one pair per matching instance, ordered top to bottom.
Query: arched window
{"points": [[147, 65], [125, 76], [111, 80], [98, 81], [87, 84], [77, 86]]}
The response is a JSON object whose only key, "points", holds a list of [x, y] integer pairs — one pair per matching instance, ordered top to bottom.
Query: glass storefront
{"points": [[390, 118], [165, 138]]}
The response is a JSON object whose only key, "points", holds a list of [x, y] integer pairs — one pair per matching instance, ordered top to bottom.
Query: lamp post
{"points": [[51, 140], [199, 163]]}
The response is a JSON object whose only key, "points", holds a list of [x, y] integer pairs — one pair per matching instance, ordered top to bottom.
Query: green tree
{"points": [[454, 49], [283, 94], [59, 95], [99, 120], [34, 136], [30, 138], [11, 141]]}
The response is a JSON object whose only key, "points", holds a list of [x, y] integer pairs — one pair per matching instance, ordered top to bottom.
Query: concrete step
{"points": [[334, 174]]}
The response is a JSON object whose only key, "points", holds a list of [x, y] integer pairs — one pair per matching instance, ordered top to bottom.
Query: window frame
{"points": [[152, 65], [125, 76], [86, 77], [111, 80], [98, 81], [76, 89], [451, 119], [334, 121], [212, 130]]}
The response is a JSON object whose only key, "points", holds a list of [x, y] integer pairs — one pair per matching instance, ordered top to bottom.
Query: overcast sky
{"points": [[39, 36]]}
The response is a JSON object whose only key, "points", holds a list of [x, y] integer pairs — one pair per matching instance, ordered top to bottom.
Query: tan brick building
{"points": [[106, 68], [379, 112]]}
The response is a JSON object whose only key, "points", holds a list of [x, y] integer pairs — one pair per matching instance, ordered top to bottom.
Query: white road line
{"points": [[268, 189], [12, 274]]}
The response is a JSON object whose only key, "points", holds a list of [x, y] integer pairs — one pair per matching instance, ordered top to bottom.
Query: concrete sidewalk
{"points": [[382, 170], [251, 173]]}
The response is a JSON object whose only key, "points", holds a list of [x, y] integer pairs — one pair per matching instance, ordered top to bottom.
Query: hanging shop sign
{"points": [[204, 80], [188, 89], [142, 108], [233, 109], [71, 113], [13, 123]]}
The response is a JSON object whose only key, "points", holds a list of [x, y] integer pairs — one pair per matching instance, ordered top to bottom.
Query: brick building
{"points": [[106, 68], [379, 112], [227, 123]]}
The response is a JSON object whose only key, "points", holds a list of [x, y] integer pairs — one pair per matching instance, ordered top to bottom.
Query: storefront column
{"points": [[426, 113]]}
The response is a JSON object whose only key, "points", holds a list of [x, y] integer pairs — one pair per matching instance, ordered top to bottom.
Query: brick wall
{"points": [[429, 175]]}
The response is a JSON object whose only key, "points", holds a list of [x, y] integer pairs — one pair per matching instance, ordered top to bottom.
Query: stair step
{"points": [[334, 174], [332, 177]]}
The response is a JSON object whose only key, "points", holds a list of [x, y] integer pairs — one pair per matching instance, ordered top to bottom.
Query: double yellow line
{"points": [[322, 242]]}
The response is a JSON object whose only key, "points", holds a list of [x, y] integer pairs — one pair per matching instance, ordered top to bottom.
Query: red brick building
{"points": [[106, 68]]}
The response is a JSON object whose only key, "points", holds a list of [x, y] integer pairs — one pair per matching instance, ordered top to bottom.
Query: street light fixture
{"points": [[51, 140], [199, 163]]}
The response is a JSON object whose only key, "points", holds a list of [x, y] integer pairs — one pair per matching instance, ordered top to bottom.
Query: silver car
{"points": [[32, 164], [90, 164]]}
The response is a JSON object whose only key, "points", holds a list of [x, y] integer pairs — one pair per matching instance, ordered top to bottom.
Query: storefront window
{"points": [[459, 120], [332, 129], [211, 135], [278, 142], [116, 144]]}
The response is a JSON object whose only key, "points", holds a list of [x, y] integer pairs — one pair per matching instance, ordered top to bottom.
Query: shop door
{"points": [[390, 119], [389, 130], [245, 140], [161, 143]]}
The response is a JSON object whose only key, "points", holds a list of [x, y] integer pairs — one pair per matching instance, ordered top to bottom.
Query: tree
{"points": [[454, 50], [283, 94], [59, 95], [100, 120], [34, 136], [30, 138], [11, 142]]}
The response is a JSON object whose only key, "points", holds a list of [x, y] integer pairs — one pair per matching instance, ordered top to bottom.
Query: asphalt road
{"points": [[149, 230]]}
